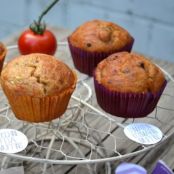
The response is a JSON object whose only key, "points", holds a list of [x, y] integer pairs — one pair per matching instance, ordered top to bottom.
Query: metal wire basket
{"points": [[84, 136]]}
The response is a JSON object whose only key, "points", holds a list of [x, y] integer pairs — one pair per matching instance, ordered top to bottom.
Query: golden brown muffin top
{"points": [[99, 36], [2, 50], [129, 72], [37, 75]]}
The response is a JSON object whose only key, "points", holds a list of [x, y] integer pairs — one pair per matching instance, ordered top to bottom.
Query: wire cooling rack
{"points": [[84, 134]]}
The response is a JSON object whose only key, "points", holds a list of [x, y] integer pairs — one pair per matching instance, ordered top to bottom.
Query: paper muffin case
{"points": [[86, 61], [127, 105], [35, 109]]}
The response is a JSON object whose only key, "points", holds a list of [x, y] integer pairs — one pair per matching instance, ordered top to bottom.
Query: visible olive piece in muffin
{"points": [[95, 40], [128, 85], [36, 87]]}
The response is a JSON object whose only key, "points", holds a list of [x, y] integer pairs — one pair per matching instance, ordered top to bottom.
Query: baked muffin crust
{"points": [[99, 36], [129, 72], [37, 75]]}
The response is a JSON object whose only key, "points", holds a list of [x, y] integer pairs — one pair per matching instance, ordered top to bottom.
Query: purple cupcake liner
{"points": [[86, 61], [127, 105]]}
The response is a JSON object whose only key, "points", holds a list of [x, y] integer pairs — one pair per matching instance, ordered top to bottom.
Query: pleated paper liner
{"points": [[86, 61], [127, 105], [35, 109]]}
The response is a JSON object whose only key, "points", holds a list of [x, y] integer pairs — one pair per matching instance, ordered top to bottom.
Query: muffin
{"points": [[95, 40], [3, 52], [128, 85], [36, 87]]}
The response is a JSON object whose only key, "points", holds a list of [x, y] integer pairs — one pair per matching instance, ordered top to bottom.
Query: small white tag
{"points": [[143, 133], [12, 141]]}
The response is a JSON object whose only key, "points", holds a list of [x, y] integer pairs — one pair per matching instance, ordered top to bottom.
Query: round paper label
{"points": [[143, 133], [12, 141]]}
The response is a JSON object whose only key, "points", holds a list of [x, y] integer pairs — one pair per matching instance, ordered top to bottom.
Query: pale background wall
{"points": [[151, 22]]}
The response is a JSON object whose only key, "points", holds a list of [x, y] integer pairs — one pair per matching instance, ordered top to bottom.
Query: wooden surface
{"points": [[148, 159]]}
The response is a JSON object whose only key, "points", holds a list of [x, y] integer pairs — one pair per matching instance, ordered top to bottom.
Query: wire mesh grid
{"points": [[81, 129], [83, 135]]}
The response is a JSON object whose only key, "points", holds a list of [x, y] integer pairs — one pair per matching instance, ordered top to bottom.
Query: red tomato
{"points": [[30, 42]]}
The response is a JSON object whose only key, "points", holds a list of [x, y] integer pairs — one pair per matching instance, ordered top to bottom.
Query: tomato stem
{"points": [[45, 11], [38, 27]]}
